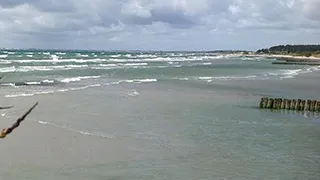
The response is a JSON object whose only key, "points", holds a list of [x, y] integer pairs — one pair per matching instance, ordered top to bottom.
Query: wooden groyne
{"points": [[290, 104]]}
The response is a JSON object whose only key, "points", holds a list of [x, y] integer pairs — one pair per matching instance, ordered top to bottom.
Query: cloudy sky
{"points": [[158, 24]]}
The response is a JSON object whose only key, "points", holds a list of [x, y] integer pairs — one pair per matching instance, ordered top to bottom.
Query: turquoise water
{"points": [[168, 115]]}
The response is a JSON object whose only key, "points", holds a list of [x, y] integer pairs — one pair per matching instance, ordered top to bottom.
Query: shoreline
{"points": [[287, 57]]}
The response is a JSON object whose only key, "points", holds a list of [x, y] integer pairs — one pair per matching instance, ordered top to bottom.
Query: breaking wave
{"points": [[48, 82], [50, 91], [24, 94]]}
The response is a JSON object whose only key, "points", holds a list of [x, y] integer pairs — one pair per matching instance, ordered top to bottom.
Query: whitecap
{"points": [[3, 56], [79, 78], [50, 91], [132, 93]]}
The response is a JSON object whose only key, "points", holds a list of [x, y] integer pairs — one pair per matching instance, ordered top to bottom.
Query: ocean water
{"points": [[168, 115]]}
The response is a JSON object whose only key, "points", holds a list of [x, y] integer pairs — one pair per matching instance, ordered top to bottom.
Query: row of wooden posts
{"points": [[290, 104]]}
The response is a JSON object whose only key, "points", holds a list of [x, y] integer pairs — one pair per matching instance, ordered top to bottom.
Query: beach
{"points": [[288, 57], [179, 115]]}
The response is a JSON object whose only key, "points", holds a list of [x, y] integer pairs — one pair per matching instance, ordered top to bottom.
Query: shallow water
{"points": [[193, 118]]}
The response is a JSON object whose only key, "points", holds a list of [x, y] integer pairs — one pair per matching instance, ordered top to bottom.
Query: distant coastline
{"points": [[291, 54]]}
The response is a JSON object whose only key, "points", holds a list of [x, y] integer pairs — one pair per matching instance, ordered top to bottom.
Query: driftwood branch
{"points": [[6, 107], [19, 120]]}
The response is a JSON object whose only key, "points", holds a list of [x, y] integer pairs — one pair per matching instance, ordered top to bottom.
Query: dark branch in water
{"points": [[6, 107], [19, 120]]}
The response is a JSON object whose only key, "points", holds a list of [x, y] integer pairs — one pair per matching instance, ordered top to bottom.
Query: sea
{"points": [[161, 115]]}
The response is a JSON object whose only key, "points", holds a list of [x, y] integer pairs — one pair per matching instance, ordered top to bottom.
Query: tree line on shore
{"points": [[298, 50]]}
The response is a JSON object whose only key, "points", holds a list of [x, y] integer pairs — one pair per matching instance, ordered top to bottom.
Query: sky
{"points": [[158, 24]]}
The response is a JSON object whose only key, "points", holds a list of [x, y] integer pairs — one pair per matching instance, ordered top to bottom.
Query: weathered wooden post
{"points": [[262, 102], [265, 102], [270, 103], [275, 103], [279, 103], [302, 103], [283, 104], [288, 104], [293, 104], [298, 105], [313, 105], [307, 106], [318, 106]]}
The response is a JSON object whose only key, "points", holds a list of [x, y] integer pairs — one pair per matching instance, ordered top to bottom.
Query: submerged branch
{"points": [[6, 107]]}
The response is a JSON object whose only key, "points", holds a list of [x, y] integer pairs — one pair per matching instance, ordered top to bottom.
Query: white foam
{"points": [[60, 53], [82, 55], [3, 56], [115, 56], [146, 56], [169, 59], [56, 60], [170, 62], [123, 64], [134, 64], [75, 66], [39, 68], [291, 73], [79, 78], [205, 78], [209, 78], [184, 79], [141, 80], [48, 81], [138, 81], [33, 83], [8, 84], [50, 91], [132, 93], [19, 95], [43, 122]]}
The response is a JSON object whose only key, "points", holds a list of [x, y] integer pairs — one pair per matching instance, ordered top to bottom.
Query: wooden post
{"points": [[262, 102], [265, 102], [270, 103], [275, 103], [279, 103], [302, 103], [283, 104], [288, 104], [293, 104], [298, 105], [313, 105], [307, 106], [318, 106]]}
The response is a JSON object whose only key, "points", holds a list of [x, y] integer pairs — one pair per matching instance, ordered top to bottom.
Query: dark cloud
{"points": [[102, 23]]}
